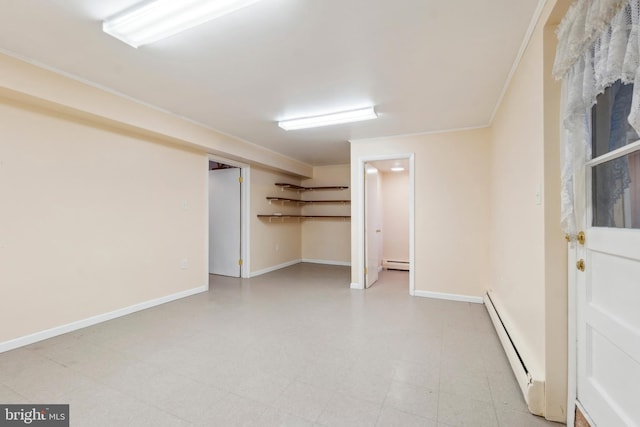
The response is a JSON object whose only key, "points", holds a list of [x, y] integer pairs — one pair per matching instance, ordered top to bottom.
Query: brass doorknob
{"points": [[581, 238], [580, 265]]}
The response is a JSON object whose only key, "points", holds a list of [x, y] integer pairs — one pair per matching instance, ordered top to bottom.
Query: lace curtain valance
{"points": [[598, 44]]}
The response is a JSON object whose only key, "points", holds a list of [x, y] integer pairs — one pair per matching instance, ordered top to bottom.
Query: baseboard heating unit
{"points": [[395, 265], [532, 389]]}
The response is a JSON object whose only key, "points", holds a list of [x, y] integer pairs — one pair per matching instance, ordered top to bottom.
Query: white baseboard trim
{"points": [[326, 262], [274, 268], [356, 286], [450, 297], [74, 326]]}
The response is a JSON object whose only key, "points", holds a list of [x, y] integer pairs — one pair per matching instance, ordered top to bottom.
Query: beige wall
{"points": [[24, 81], [99, 183], [452, 195], [395, 216], [517, 219], [92, 220], [327, 240], [274, 242], [529, 266]]}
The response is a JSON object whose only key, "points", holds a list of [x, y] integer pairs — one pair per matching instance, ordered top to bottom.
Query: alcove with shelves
{"points": [[301, 202]]}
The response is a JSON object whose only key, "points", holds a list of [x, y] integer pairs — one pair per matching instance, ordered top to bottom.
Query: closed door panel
{"points": [[224, 222], [609, 336]]}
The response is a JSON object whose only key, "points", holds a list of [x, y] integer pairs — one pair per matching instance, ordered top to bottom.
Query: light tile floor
{"points": [[295, 347]]}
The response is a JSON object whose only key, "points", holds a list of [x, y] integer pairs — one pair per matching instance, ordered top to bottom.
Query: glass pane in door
{"points": [[610, 125], [616, 192]]}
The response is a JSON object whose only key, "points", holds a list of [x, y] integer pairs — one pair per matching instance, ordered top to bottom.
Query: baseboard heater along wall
{"points": [[395, 265], [532, 389]]}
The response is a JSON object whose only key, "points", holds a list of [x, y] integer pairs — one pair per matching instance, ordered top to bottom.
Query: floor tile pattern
{"points": [[295, 347]]}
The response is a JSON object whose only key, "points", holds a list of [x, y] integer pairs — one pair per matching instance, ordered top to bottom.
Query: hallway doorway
{"points": [[387, 217], [227, 227]]}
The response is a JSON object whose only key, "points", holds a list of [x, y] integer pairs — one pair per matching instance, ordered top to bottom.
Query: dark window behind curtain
{"points": [[616, 183]]}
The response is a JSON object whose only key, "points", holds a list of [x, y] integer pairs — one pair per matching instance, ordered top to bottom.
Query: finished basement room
{"points": [[319, 213]]}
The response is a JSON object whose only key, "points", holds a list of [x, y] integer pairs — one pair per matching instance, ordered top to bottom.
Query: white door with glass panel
{"points": [[608, 285]]}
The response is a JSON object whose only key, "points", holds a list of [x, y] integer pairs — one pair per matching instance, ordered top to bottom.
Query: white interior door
{"points": [[224, 222], [372, 225], [608, 291]]}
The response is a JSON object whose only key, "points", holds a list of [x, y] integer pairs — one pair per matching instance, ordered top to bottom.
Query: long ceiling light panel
{"points": [[155, 20], [329, 119]]}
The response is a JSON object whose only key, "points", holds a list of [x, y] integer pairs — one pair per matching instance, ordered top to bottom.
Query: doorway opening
{"points": [[387, 219], [228, 224]]}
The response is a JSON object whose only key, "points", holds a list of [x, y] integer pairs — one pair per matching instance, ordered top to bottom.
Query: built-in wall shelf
{"points": [[286, 186], [304, 202], [300, 203], [299, 217]]}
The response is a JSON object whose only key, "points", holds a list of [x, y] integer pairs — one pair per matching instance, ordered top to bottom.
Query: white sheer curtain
{"points": [[598, 44]]}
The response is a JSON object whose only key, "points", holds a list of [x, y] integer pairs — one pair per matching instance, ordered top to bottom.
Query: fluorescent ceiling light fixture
{"points": [[151, 21], [329, 119], [397, 169], [371, 170]]}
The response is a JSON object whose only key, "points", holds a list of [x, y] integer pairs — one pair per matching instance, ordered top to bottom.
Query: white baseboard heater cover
{"points": [[395, 265], [532, 389]]}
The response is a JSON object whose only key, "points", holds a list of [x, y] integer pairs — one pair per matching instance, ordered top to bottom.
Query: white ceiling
{"points": [[426, 65], [385, 166]]}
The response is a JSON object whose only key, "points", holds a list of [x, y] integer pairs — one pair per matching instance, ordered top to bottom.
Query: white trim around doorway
{"points": [[245, 210], [361, 217]]}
